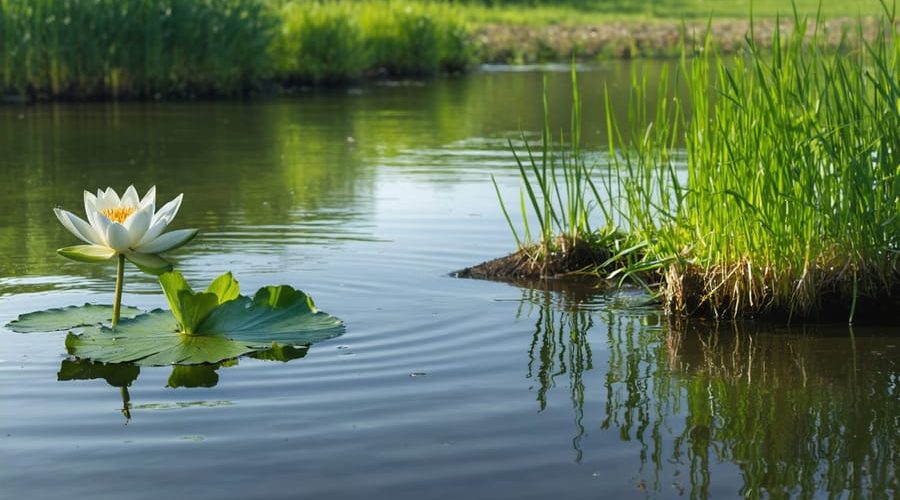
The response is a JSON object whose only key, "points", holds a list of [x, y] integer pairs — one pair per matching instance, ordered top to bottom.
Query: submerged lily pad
{"points": [[67, 318], [209, 327]]}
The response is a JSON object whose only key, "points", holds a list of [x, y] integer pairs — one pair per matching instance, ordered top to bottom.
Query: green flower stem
{"points": [[120, 278]]}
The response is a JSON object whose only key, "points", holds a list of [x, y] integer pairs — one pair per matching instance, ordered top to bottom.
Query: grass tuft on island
{"points": [[766, 184]]}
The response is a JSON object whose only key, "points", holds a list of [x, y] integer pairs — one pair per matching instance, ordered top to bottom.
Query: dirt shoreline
{"points": [[517, 44]]}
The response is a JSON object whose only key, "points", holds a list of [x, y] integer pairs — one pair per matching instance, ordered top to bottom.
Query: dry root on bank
{"points": [[817, 293]]}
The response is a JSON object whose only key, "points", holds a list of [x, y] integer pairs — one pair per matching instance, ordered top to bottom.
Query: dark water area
{"points": [[367, 198]]}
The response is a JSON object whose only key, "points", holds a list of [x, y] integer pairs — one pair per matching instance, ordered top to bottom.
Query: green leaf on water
{"points": [[225, 287], [191, 308], [67, 318], [203, 328], [153, 339]]}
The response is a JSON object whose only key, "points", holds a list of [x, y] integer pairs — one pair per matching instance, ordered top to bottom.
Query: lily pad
{"points": [[67, 318], [209, 327]]}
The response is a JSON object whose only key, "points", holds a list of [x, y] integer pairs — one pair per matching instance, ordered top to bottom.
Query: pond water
{"points": [[368, 198]]}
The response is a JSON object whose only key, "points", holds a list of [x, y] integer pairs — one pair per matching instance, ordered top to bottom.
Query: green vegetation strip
{"points": [[78, 49], [88, 49], [765, 184]]}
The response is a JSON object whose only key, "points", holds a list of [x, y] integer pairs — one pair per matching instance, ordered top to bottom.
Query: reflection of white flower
{"points": [[129, 225]]}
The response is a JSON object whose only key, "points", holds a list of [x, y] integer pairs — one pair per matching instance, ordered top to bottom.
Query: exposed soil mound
{"points": [[536, 262]]}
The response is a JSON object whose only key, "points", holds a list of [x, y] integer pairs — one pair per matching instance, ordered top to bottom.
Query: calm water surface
{"points": [[440, 387]]}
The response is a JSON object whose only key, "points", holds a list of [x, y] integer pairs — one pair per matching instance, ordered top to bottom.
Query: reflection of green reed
{"points": [[559, 346], [640, 394], [794, 413], [797, 414]]}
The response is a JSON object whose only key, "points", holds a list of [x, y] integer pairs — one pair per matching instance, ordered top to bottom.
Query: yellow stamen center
{"points": [[118, 214]]}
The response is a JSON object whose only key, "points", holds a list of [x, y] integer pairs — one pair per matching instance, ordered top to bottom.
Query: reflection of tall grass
{"points": [[327, 41], [132, 47], [791, 203], [559, 346], [794, 422]]}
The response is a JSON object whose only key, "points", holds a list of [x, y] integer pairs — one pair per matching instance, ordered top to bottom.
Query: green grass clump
{"points": [[332, 41], [320, 43], [132, 48], [763, 184], [560, 196], [791, 204]]}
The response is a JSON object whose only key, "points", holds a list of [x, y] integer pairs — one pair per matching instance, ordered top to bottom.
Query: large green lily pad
{"points": [[67, 318], [210, 326]]}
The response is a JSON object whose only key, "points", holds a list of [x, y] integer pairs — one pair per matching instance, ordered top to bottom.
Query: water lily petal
{"points": [[150, 197], [111, 198], [130, 198], [104, 201], [90, 202], [90, 209], [169, 210], [160, 220], [100, 223], [138, 223], [76, 226], [117, 237], [168, 241], [87, 253], [149, 263]]}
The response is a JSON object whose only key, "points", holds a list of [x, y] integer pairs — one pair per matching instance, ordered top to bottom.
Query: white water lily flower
{"points": [[128, 226]]}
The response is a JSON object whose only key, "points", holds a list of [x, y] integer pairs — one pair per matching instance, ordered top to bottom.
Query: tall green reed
{"points": [[343, 40], [134, 48], [792, 182], [766, 183], [555, 184]]}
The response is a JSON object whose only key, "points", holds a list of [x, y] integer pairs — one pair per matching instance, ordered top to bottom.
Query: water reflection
{"points": [[260, 176], [559, 347], [123, 375], [797, 412]]}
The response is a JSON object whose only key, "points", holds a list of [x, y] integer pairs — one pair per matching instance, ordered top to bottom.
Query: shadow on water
{"points": [[798, 412]]}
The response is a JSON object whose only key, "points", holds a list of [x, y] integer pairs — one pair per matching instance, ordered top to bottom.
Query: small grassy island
{"points": [[766, 184]]}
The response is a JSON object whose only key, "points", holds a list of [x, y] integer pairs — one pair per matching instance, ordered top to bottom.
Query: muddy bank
{"points": [[516, 44]]}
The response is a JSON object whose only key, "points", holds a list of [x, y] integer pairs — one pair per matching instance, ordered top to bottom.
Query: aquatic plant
{"points": [[339, 41], [133, 48], [764, 184], [559, 193], [791, 204], [126, 228], [211, 326]]}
